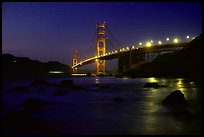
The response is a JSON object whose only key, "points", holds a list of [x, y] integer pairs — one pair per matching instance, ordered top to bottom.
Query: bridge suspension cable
{"points": [[114, 38], [108, 40], [92, 45]]}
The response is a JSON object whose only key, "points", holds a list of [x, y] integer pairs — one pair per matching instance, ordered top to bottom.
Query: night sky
{"points": [[48, 31]]}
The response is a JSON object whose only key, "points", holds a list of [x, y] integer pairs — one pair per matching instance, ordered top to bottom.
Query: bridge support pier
{"points": [[123, 63]]}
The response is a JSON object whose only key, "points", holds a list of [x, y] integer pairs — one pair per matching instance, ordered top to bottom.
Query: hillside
{"points": [[185, 63], [23, 67]]}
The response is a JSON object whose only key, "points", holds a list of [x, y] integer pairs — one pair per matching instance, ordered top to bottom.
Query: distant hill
{"points": [[183, 63], [23, 67]]}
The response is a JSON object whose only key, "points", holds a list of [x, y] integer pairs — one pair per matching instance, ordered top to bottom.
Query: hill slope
{"points": [[184, 63], [22, 67]]}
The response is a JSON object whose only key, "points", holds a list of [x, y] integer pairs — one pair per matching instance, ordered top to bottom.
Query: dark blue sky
{"points": [[53, 30]]}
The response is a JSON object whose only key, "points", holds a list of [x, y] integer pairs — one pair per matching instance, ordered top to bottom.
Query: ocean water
{"points": [[92, 110]]}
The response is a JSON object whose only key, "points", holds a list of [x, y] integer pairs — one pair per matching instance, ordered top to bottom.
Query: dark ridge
{"points": [[25, 68]]}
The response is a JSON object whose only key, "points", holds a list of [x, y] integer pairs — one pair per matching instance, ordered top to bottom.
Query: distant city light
{"points": [[193, 38], [167, 39], [175, 40], [159, 42], [148, 44], [133, 46], [14, 61], [56, 72], [78, 74]]}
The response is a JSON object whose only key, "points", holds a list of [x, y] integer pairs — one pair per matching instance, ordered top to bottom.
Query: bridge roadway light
{"points": [[175, 40], [148, 44]]}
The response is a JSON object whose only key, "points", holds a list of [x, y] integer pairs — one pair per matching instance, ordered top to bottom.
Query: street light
{"points": [[187, 37], [167, 39], [175, 40], [151, 41], [159, 42], [140, 43], [148, 44], [132, 47]]}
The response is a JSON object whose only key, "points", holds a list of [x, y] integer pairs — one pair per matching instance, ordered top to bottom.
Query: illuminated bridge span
{"points": [[149, 53], [128, 57]]}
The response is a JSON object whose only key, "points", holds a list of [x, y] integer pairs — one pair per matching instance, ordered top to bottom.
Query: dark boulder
{"points": [[39, 83], [66, 83], [153, 85], [19, 89], [118, 99], [175, 101], [34, 104], [16, 122]]}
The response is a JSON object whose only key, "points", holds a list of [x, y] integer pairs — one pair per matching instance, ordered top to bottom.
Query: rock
{"points": [[39, 83], [66, 83], [153, 84], [19, 89], [60, 92], [118, 99], [175, 101], [34, 104], [19, 122]]}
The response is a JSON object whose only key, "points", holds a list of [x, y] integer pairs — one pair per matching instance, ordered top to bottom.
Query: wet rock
{"points": [[39, 83], [66, 83], [153, 85], [19, 89], [61, 92], [118, 99], [175, 101], [34, 104], [182, 115], [14, 119], [21, 121]]}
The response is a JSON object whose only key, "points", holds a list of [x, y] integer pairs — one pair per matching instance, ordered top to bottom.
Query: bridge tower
{"points": [[101, 48], [75, 60]]}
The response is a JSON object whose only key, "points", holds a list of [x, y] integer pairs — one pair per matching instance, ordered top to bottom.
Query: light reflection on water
{"points": [[93, 111]]}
